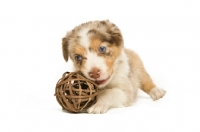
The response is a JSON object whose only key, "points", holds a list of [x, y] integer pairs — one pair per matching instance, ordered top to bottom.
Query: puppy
{"points": [[96, 48]]}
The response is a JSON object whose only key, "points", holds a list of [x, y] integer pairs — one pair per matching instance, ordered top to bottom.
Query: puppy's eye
{"points": [[102, 49], [78, 57]]}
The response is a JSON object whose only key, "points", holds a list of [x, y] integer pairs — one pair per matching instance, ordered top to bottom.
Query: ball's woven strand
{"points": [[74, 92]]}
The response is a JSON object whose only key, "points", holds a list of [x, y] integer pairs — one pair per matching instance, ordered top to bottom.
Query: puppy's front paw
{"points": [[157, 93], [98, 108]]}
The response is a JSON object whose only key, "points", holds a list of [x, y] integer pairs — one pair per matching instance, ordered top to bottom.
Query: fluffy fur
{"points": [[97, 50]]}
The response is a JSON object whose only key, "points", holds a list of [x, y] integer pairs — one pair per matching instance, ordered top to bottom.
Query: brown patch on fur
{"points": [[110, 34], [103, 37], [114, 38], [95, 44], [65, 48], [79, 50], [114, 52], [137, 68]]}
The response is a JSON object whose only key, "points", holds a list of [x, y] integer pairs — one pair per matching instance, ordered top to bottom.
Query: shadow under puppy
{"points": [[96, 48]]}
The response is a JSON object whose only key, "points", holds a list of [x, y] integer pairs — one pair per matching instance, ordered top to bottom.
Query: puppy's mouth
{"points": [[101, 82]]}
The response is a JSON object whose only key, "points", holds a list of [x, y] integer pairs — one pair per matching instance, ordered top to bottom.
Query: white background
{"points": [[165, 33]]}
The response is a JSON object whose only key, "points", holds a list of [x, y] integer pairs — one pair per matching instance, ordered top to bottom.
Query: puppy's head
{"points": [[94, 48]]}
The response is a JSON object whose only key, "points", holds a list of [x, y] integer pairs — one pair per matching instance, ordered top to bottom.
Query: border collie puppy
{"points": [[96, 48]]}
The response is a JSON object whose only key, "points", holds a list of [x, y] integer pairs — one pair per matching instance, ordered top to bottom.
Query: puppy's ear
{"points": [[115, 34], [116, 37], [65, 48]]}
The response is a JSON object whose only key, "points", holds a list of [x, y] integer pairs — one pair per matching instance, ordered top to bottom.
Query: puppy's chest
{"points": [[118, 81]]}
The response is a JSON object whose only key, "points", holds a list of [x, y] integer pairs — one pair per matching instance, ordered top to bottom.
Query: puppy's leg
{"points": [[138, 70], [150, 88], [106, 99]]}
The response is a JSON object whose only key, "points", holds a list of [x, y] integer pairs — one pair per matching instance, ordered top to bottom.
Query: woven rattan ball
{"points": [[75, 93]]}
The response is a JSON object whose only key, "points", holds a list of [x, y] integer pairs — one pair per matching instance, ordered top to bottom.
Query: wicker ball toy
{"points": [[75, 93]]}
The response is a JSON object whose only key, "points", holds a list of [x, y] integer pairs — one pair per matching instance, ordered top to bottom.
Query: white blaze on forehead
{"points": [[84, 38]]}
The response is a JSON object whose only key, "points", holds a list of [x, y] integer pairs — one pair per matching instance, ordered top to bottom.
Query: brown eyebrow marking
{"points": [[107, 36], [80, 50]]}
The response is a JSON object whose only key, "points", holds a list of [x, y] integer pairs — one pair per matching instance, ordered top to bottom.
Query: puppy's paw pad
{"points": [[157, 93], [98, 108]]}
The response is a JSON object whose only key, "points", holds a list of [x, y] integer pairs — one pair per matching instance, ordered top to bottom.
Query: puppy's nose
{"points": [[95, 73]]}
